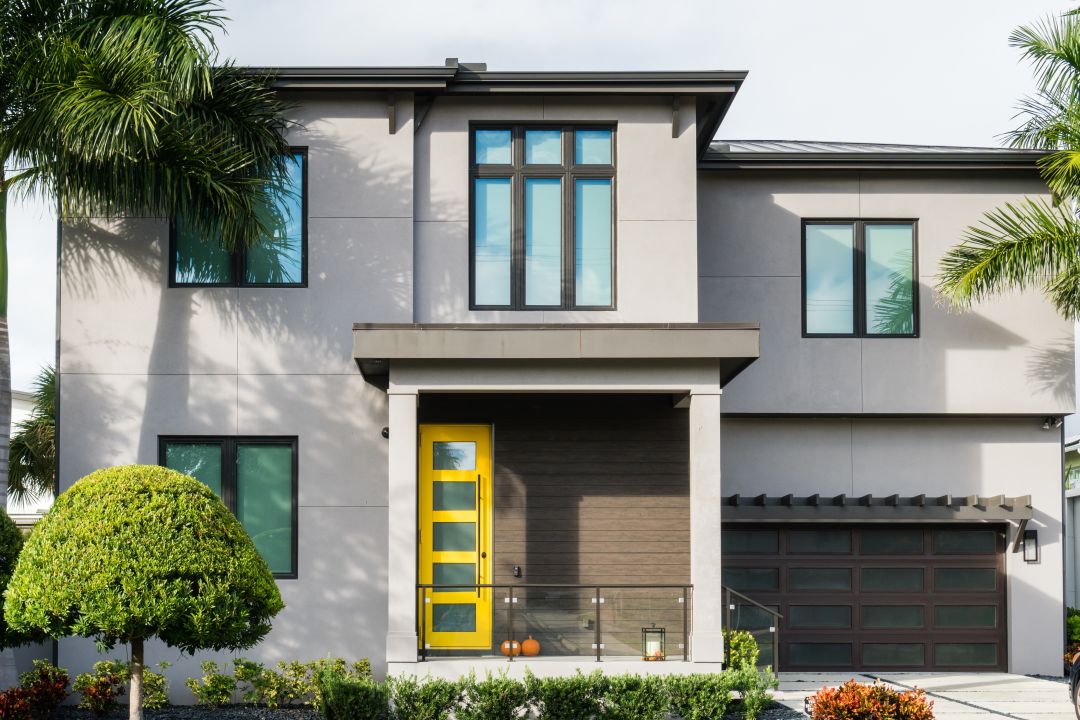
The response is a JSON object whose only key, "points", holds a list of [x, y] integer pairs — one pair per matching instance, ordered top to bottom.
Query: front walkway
{"points": [[956, 696]]}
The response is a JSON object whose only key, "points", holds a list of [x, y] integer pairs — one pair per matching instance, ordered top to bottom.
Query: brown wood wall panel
{"points": [[588, 490]]}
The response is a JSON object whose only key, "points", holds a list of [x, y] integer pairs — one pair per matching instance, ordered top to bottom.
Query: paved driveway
{"points": [[959, 696]]}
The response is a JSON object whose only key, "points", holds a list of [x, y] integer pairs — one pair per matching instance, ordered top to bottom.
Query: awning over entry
{"points": [[378, 346], [875, 508]]}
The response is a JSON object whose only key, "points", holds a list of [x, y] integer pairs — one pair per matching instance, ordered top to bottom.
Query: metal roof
{"points": [[791, 154]]}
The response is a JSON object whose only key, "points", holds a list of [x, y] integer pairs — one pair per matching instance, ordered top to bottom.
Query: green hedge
{"points": [[578, 697]]}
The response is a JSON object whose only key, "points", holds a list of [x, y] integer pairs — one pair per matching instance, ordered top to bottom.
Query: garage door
{"points": [[926, 597]]}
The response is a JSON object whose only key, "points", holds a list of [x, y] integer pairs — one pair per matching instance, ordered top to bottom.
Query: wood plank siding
{"points": [[588, 489]]}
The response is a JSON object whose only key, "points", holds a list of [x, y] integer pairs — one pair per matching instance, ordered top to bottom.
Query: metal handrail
{"points": [[423, 588], [775, 629]]}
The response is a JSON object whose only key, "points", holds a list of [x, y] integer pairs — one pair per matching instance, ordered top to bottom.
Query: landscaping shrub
{"points": [[11, 543], [1072, 625], [742, 649], [102, 686], [45, 687], [156, 687], [753, 687], [214, 688], [701, 696], [496, 697], [576, 697], [634, 697], [352, 698], [430, 699], [859, 701], [15, 705]]}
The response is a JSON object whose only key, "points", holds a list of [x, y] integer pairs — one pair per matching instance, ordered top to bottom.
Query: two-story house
{"points": [[539, 356]]}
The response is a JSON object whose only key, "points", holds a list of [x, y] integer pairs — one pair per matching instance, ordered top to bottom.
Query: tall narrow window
{"points": [[543, 218], [278, 261], [859, 278], [256, 478]]}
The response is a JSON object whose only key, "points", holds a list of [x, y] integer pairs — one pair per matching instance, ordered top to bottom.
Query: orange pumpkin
{"points": [[511, 646], [531, 647]]}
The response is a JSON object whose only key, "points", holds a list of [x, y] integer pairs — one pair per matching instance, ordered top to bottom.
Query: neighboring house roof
{"points": [[713, 90], [791, 154]]}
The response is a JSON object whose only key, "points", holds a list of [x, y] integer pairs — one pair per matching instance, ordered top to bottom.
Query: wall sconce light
{"points": [[1051, 422], [1031, 546]]}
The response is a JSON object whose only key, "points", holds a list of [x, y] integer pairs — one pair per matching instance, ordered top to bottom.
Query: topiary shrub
{"points": [[11, 543], [141, 551], [742, 649], [46, 687], [701, 696], [496, 697], [577, 697], [634, 697], [352, 698], [428, 699], [859, 701]]}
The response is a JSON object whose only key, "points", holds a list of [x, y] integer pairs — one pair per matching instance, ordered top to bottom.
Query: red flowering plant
{"points": [[45, 686], [100, 688], [859, 701], [14, 705]]}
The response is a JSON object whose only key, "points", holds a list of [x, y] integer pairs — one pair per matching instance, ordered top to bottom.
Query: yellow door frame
{"points": [[459, 517]]}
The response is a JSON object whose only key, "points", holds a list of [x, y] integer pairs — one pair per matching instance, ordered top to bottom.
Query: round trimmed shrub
{"points": [[11, 542], [140, 551]]}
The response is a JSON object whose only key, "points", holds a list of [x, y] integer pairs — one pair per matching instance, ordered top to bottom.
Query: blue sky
{"points": [[922, 71]]}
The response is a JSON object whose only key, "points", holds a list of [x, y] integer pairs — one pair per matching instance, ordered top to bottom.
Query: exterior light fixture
{"points": [[1051, 422], [1031, 546]]}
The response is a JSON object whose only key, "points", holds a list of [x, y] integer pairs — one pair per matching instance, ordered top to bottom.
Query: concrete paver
{"points": [[956, 696]]}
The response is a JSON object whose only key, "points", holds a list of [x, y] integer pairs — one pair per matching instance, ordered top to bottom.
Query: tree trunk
{"points": [[5, 348], [136, 693]]}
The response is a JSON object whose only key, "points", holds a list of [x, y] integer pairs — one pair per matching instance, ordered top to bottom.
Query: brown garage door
{"points": [[858, 597]]}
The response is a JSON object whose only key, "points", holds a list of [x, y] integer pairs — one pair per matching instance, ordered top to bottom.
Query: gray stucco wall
{"points": [[655, 189], [1010, 355], [139, 359], [955, 455]]}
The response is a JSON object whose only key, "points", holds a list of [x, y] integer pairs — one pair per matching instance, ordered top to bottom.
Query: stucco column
{"points": [[707, 638], [401, 641]]}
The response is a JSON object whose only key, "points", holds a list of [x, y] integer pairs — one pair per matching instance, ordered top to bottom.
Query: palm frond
{"points": [[1053, 47], [1031, 244], [32, 456]]}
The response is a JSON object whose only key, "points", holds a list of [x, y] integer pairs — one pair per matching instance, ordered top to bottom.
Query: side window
{"points": [[542, 218], [280, 261], [859, 278], [256, 478]]}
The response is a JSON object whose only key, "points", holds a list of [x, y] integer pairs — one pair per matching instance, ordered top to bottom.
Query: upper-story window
{"points": [[543, 217], [280, 261], [859, 278]]}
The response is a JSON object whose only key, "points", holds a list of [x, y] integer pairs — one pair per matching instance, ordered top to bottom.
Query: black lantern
{"points": [[653, 643]]}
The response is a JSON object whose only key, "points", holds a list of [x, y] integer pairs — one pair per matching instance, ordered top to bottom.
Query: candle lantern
{"points": [[653, 643]]}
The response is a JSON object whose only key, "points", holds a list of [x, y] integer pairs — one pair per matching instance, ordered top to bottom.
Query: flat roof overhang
{"points": [[376, 346]]}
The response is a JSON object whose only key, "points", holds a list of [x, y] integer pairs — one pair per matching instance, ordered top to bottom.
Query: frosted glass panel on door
{"points": [[543, 241], [592, 242], [491, 253], [889, 270], [830, 279], [453, 455], [453, 495]]}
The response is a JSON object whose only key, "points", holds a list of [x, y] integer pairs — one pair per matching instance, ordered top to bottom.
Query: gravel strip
{"points": [[194, 712]]}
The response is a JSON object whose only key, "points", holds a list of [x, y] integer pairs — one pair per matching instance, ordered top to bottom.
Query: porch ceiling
{"points": [[733, 346]]}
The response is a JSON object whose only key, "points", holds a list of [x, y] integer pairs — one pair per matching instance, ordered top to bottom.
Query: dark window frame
{"points": [[517, 171], [238, 258], [859, 269], [228, 444]]}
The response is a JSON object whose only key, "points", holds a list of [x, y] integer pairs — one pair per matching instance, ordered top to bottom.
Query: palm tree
{"points": [[121, 107], [1034, 243], [32, 472]]}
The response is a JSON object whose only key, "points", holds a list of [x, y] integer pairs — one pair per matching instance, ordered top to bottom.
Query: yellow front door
{"points": [[455, 534]]}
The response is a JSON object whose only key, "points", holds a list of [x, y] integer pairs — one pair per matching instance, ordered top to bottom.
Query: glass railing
{"points": [[761, 621], [615, 622]]}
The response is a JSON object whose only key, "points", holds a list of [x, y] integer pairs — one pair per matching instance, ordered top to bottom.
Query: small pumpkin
{"points": [[511, 646], [531, 647]]}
